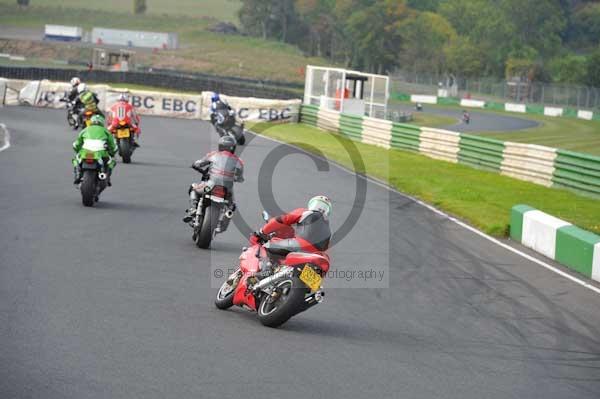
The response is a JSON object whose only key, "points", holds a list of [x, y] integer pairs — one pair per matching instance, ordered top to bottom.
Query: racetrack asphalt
{"points": [[480, 121], [116, 301]]}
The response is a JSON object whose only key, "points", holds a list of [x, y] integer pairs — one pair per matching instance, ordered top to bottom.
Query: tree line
{"points": [[542, 40]]}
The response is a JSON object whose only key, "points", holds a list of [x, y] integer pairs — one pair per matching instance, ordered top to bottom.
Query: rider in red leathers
{"points": [[123, 111], [310, 231]]}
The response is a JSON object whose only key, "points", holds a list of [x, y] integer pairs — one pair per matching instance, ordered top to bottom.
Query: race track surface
{"points": [[480, 121], [116, 301]]}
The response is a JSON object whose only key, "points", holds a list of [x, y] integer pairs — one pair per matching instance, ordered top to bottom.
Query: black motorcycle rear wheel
{"points": [[125, 150], [88, 187], [207, 227], [273, 312]]}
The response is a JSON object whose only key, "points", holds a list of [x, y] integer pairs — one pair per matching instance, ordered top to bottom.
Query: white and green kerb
{"points": [[569, 245]]}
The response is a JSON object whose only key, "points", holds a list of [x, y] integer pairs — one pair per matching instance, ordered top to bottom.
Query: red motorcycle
{"points": [[123, 128], [293, 287]]}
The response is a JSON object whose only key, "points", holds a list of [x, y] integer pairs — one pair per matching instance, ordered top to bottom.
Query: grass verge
{"points": [[201, 50], [432, 120], [559, 132], [483, 199]]}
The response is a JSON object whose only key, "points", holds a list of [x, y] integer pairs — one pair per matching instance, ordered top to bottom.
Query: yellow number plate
{"points": [[88, 122], [122, 133], [310, 278]]}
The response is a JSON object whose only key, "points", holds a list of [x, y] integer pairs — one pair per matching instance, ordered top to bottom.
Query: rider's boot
{"points": [[77, 175], [191, 212]]}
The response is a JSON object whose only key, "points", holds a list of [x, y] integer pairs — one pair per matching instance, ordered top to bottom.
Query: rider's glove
{"points": [[258, 237]]}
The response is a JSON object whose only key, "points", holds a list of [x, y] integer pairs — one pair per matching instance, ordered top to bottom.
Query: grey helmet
{"points": [[227, 143]]}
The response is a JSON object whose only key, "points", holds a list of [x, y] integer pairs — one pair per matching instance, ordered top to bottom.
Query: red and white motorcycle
{"points": [[293, 286]]}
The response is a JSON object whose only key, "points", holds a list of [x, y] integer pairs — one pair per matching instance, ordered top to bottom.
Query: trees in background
{"points": [[463, 37]]}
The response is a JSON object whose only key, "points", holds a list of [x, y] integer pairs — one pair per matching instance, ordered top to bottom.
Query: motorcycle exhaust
{"points": [[102, 176], [229, 214], [269, 280]]}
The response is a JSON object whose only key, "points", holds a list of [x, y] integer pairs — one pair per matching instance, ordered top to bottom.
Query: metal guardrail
{"points": [[174, 81]]}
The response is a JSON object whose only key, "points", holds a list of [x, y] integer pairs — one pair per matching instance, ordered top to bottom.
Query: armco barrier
{"points": [[376, 132], [405, 137], [480, 152], [529, 162], [534, 163], [576, 171], [571, 246]]}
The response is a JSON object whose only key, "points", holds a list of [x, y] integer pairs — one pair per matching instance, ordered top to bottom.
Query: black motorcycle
{"points": [[73, 114], [225, 123], [213, 212]]}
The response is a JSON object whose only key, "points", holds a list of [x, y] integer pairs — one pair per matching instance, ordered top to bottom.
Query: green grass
{"points": [[222, 10], [201, 50], [432, 120], [559, 132], [566, 133], [481, 198]]}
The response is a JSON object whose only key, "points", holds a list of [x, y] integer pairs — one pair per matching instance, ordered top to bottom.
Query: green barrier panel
{"points": [[400, 96], [448, 101], [494, 106], [535, 109], [570, 112], [309, 114], [596, 116], [351, 126], [405, 137], [480, 152], [576, 171], [516, 221], [575, 249]]}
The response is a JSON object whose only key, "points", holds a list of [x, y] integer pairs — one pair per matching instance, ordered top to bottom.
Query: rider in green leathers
{"points": [[94, 133]]}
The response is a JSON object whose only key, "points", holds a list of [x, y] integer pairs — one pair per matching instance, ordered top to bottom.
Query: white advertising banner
{"points": [[3, 83], [13, 88], [47, 94], [415, 98], [465, 102], [170, 105], [515, 107], [256, 109], [550, 111], [587, 115]]}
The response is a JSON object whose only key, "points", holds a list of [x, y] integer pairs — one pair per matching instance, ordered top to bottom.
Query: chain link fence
{"points": [[580, 97]]}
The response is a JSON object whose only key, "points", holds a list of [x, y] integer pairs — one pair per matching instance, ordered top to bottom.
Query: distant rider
{"points": [[73, 94], [87, 100], [122, 110], [220, 123], [96, 131], [224, 168], [302, 230]]}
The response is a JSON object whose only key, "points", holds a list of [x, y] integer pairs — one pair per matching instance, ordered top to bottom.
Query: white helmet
{"points": [[75, 81], [81, 88], [124, 97], [320, 203]]}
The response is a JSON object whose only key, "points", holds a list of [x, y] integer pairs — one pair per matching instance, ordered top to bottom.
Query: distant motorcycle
{"points": [[72, 113], [466, 118], [225, 123], [213, 208], [293, 286]]}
